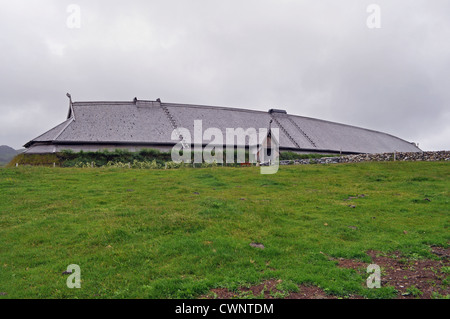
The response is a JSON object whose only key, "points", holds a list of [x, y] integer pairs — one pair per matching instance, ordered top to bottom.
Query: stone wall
{"points": [[415, 156]]}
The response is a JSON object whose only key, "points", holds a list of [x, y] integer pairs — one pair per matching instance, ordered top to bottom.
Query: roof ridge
{"points": [[107, 102], [226, 108]]}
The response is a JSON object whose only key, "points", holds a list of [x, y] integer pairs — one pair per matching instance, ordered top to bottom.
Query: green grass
{"points": [[179, 233]]}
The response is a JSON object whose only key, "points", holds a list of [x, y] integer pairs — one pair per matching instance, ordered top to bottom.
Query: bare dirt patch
{"points": [[412, 277], [268, 290], [309, 292]]}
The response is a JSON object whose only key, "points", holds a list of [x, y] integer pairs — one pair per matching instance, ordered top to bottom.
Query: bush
{"points": [[213, 164], [85, 165], [145, 165], [172, 165]]}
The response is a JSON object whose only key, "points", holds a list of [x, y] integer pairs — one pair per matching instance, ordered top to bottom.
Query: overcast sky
{"points": [[310, 57]]}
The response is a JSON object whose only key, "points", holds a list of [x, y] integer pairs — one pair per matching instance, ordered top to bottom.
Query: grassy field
{"points": [[179, 233]]}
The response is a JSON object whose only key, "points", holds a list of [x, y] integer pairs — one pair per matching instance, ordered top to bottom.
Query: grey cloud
{"points": [[311, 58]]}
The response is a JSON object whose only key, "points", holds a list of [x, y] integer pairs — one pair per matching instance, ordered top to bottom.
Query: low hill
{"points": [[7, 154]]}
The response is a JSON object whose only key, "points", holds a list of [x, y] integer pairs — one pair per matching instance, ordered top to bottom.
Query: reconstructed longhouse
{"points": [[138, 124]]}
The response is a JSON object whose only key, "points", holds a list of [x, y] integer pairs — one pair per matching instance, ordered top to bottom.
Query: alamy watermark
{"points": [[74, 18], [374, 19], [262, 145], [74, 280], [374, 280]]}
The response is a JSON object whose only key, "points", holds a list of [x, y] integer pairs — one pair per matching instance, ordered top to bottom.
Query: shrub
{"points": [[85, 164], [213, 164], [172, 165]]}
